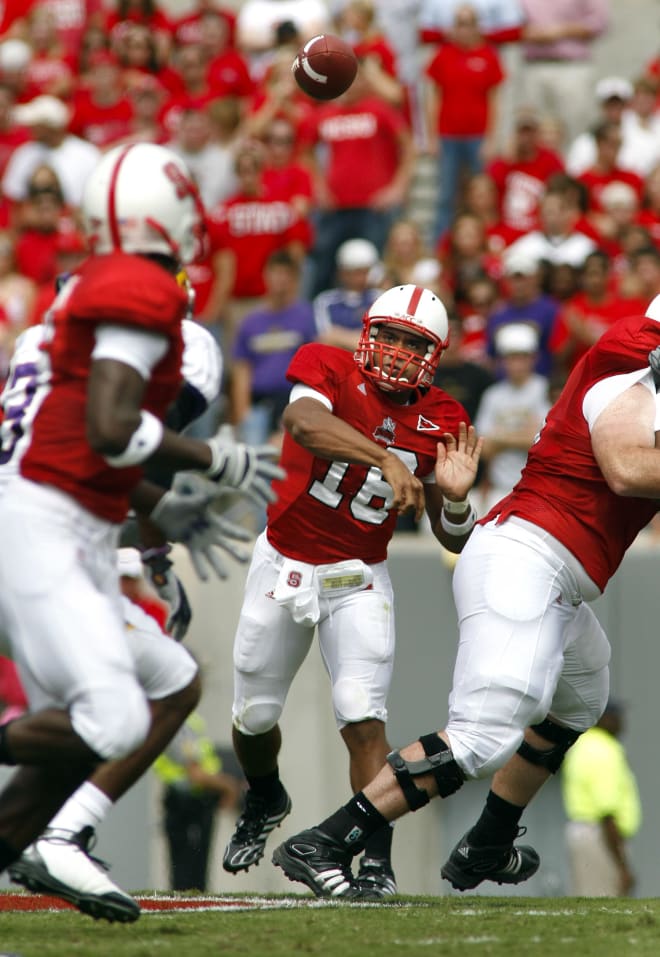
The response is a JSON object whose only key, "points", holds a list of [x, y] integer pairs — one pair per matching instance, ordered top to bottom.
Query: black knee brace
{"points": [[562, 738], [439, 761]]}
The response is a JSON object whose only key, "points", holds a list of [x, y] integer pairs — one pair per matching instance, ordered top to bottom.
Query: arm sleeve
{"points": [[135, 348]]}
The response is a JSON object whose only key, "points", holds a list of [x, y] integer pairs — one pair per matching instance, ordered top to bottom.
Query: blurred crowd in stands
{"points": [[546, 183]]}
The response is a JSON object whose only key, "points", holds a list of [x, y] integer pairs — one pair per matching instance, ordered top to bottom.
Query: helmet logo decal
{"points": [[385, 433]]}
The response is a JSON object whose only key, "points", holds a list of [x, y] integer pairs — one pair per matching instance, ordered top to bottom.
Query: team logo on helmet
{"points": [[385, 433]]}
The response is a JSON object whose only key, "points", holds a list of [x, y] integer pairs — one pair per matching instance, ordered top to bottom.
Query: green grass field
{"points": [[447, 926]]}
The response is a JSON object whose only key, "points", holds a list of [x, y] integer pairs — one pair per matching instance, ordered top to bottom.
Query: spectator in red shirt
{"points": [[146, 14], [356, 22], [192, 27], [137, 52], [191, 65], [51, 69], [228, 71], [465, 75], [278, 95], [147, 97], [102, 113], [606, 169], [522, 174], [283, 176], [362, 187], [42, 218], [244, 230], [70, 251], [467, 256], [584, 318]]}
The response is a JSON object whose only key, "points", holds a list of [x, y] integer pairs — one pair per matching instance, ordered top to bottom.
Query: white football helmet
{"points": [[142, 199], [419, 311]]}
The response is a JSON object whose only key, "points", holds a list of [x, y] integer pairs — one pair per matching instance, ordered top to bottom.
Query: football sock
{"points": [[267, 786], [86, 808], [354, 823], [498, 823], [379, 845]]}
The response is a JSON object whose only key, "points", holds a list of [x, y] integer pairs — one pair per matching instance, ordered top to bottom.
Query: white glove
{"points": [[246, 468], [187, 514]]}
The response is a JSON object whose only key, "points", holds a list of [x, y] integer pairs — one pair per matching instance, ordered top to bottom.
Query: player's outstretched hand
{"points": [[457, 462], [245, 468], [407, 488], [188, 513]]}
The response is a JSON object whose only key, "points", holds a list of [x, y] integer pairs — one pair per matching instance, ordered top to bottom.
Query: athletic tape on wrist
{"points": [[142, 444], [463, 528]]}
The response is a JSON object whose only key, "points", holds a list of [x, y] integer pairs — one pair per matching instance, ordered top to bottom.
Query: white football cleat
{"points": [[59, 863]]}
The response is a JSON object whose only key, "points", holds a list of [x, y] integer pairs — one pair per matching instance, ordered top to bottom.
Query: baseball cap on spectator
{"points": [[14, 55], [613, 88], [46, 110], [619, 194], [357, 254], [520, 263], [426, 271], [516, 337]]}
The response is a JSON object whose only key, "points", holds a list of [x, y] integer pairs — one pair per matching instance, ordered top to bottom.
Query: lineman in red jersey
{"points": [[115, 366], [367, 437], [531, 671]]}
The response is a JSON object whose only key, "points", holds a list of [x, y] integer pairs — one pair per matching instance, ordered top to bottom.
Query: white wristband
{"points": [[143, 443], [455, 508], [461, 529]]}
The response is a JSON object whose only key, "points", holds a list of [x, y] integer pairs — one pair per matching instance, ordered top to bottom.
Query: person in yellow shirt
{"points": [[196, 784], [603, 808]]}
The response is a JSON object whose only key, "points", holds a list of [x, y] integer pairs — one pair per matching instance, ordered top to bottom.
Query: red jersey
{"points": [[465, 79], [101, 125], [363, 147], [596, 183], [520, 185], [253, 227], [117, 289], [599, 316], [562, 489], [330, 511]]}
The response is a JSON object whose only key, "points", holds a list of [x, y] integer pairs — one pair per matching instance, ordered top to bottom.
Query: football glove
{"points": [[245, 468], [188, 514], [159, 570]]}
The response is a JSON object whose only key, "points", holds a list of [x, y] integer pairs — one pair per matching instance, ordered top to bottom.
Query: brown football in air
{"points": [[325, 67]]}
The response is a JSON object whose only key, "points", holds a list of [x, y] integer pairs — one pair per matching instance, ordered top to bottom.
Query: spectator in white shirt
{"points": [[52, 145]]}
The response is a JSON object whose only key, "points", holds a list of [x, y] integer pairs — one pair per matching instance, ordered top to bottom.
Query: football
{"points": [[325, 67]]}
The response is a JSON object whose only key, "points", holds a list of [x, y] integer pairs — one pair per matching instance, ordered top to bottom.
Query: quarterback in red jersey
{"points": [[115, 348], [367, 437], [532, 668]]}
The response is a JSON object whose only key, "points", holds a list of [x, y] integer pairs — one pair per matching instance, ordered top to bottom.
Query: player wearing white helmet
{"points": [[114, 346], [367, 438], [531, 670]]}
